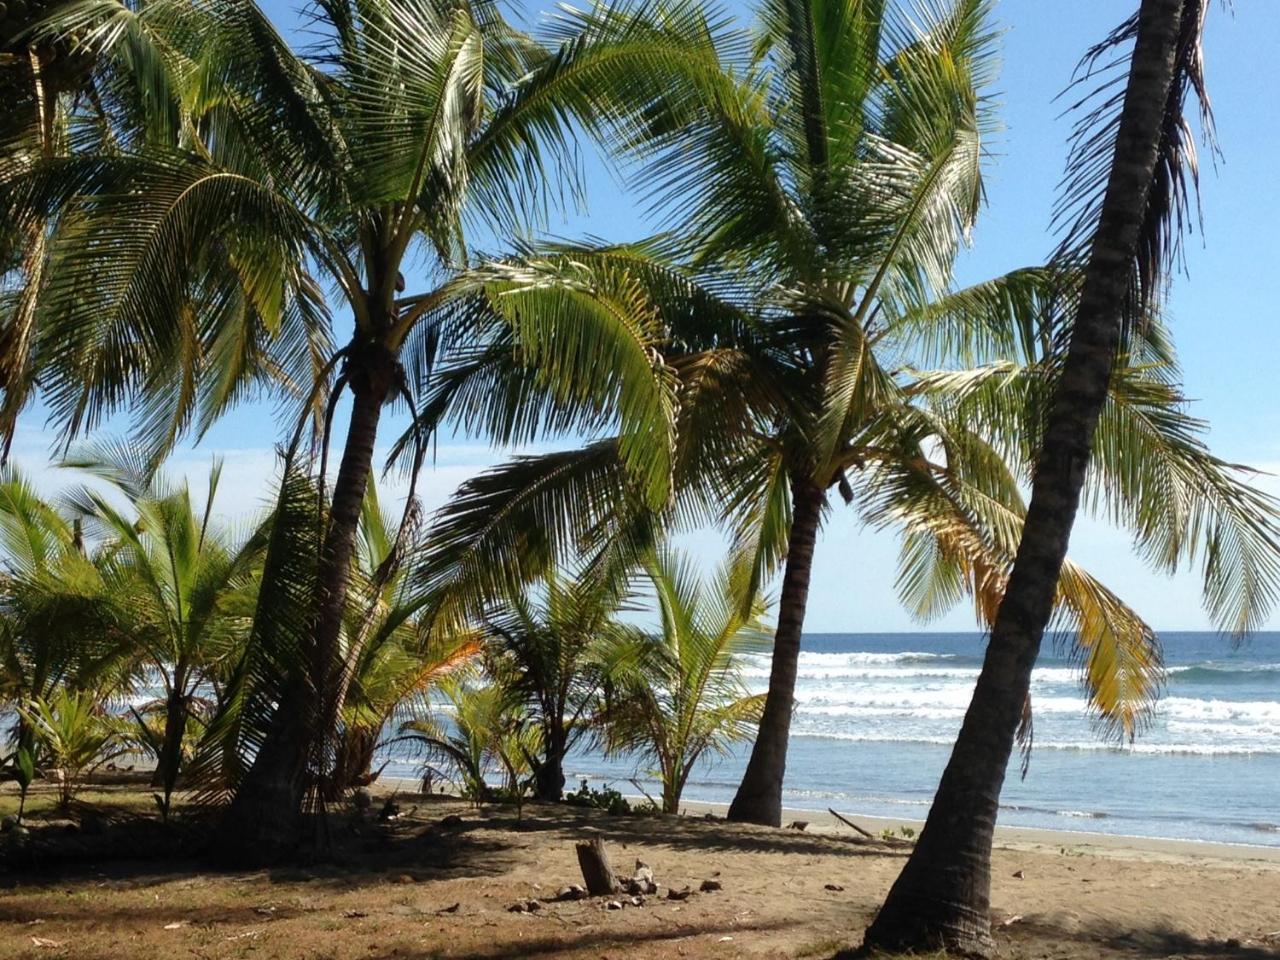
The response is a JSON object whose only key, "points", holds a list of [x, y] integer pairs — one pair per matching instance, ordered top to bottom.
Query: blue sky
{"points": [[1223, 313]]}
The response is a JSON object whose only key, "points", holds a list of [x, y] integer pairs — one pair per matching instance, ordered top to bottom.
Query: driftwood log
{"points": [[597, 874]]}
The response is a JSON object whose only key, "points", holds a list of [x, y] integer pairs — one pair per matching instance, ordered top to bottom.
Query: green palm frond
{"points": [[1150, 472], [510, 525], [961, 530], [272, 660], [684, 697]]}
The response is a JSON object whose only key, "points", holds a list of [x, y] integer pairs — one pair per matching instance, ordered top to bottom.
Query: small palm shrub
{"points": [[685, 699], [483, 735], [73, 737]]}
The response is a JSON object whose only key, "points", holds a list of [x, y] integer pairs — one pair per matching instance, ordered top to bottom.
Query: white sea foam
{"points": [[856, 667], [921, 697], [924, 704], [1190, 708], [1161, 749]]}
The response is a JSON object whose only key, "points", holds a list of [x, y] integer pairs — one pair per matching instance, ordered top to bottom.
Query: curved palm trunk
{"points": [[759, 796], [264, 821], [942, 896]]}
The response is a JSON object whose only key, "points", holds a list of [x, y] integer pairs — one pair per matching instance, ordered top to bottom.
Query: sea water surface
{"points": [[876, 715]]}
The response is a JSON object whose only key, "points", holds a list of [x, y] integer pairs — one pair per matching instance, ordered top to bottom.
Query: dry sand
{"points": [[392, 889]]}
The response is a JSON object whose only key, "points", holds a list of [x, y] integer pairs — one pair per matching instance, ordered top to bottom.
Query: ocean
{"points": [[877, 713]]}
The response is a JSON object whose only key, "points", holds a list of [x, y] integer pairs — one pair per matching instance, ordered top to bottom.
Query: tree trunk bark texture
{"points": [[759, 796], [597, 873], [942, 897]]}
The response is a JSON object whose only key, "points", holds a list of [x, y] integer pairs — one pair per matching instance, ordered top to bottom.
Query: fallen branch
{"points": [[636, 783], [849, 823]]}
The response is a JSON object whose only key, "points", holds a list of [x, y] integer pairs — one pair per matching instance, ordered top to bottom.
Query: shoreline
{"points": [[1029, 839], [1122, 846]]}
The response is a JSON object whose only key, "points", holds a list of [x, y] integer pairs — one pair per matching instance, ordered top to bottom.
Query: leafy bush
{"points": [[73, 736], [606, 798]]}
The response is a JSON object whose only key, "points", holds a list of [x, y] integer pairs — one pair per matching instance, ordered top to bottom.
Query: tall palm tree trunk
{"points": [[759, 796], [264, 820], [942, 896]]}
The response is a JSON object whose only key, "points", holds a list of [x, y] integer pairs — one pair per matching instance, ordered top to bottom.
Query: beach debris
{"points": [[390, 810], [451, 822], [849, 823], [801, 825], [597, 874], [1019, 875], [642, 880], [709, 886], [834, 887], [574, 891], [683, 894], [636, 901], [613, 905], [524, 906], [265, 911], [354, 914], [1010, 921], [176, 925], [725, 940], [46, 942]]}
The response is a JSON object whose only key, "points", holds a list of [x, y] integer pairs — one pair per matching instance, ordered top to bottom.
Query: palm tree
{"points": [[424, 116], [828, 185], [1123, 235], [806, 281], [189, 579], [555, 648], [687, 698]]}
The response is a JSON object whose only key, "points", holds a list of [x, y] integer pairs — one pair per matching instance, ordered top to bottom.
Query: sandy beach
{"points": [[1032, 840], [420, 887]]}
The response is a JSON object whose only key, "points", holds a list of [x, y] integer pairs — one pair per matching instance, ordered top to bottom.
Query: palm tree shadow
{"points": [[683, 832], [437, 839], [147, 853], [1103, 941], [1152, 942]]}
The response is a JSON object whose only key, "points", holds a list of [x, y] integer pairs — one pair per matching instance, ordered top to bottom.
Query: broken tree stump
{"points": [[597, 874]]}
